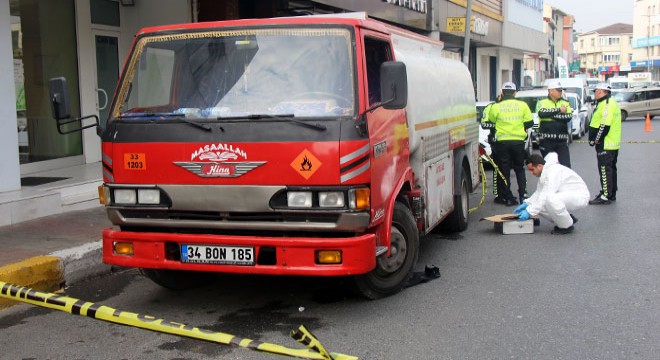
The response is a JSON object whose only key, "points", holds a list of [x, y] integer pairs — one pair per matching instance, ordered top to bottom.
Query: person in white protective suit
{"points": [[559, 191]]}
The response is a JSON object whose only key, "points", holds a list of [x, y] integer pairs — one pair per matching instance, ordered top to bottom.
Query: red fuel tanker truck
{"points": [[314, 146]]}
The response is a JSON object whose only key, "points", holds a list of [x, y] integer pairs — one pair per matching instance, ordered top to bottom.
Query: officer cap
{"points": [[556, 84], [509, 86], [604, 86]]}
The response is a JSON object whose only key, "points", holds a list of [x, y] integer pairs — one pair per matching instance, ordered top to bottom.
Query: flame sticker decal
{"points": [[306, 164]]}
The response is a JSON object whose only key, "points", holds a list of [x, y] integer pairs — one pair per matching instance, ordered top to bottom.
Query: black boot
{"points": [[600, 200], [562, 231]]}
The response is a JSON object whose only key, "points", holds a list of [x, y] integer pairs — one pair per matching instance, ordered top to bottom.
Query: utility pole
{"points": [[466, 42], [648, 44]]}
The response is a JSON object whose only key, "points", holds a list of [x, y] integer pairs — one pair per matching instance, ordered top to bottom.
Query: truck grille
{"points": [[228, 217]]}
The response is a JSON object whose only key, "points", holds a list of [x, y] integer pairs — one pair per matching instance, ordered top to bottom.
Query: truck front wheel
{"points": [[393, 271]]}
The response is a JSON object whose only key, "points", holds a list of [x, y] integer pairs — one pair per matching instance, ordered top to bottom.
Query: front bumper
{"points": [[274, 255]]}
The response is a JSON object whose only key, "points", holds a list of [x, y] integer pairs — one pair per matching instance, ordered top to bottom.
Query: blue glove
{"points": [[520, 208], [524, 215]]}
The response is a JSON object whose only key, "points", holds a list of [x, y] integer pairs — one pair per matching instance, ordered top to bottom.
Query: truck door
{"points": [[388, 133]]}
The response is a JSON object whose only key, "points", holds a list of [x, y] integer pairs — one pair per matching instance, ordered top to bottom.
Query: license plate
{"points": [[226, 255]]}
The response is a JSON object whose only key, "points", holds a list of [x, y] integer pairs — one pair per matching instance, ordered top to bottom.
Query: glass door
{"points": [[107, 70]]}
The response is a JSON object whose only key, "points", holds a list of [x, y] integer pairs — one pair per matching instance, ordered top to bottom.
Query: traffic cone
{"points": [[647, 127]]}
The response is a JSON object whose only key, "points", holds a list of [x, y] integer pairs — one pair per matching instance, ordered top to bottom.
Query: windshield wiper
{"points": [[182, 117], [287, 117]]}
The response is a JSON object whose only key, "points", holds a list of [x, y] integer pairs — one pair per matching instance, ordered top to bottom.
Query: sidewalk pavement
{"points": [[49, 252]]}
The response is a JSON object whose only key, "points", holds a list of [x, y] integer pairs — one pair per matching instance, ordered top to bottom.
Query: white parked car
{"points": [[579, 121], [483, 133]]}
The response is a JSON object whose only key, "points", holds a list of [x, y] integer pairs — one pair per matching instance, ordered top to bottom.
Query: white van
{"points": [[640, 79], [618, 82]]}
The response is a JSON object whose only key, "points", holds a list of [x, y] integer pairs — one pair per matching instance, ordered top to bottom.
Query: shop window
{"points": [[104, 12], [44, 46]]}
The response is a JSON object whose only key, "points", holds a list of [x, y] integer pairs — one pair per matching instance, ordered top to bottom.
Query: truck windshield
{"points": [[306, 72]]}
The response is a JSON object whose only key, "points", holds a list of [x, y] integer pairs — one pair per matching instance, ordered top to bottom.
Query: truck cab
{"points": [[315, 146]]}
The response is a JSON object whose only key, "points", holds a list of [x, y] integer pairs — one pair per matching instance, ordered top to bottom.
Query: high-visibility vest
{"points": [[608, 113], [509, 117], [551, 127]]}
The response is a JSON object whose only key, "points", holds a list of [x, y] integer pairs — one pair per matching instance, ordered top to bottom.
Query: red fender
{"points": [[384, 231]]}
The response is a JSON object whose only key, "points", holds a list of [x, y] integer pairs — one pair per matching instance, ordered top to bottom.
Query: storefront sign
{"points": [[534, 4], [415, 5], [409, 13], [455, 24], [479, 26], [647, 41], [645, 63], [608, 69]]}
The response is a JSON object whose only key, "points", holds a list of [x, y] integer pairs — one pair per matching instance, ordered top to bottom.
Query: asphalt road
{"points": [[592, 294]]}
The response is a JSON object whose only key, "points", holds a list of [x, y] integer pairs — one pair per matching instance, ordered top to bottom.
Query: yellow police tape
{"points": [[625, 142], [483, 179], [100, 312]]}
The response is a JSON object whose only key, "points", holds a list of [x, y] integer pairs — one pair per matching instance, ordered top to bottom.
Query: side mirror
{"points": [[393, 85], [588, 99], [59, 101], [59, 106]]}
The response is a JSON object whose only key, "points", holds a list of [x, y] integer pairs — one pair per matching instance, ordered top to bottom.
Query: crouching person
{"points": [[560, 190]]}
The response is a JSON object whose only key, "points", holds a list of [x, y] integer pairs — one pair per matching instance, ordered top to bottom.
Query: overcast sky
{"points": [[591, 15]]}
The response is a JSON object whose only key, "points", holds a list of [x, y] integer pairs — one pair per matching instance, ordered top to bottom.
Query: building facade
{"points": [[557, 28], [646, 37], [86, 41], [606, 52]]}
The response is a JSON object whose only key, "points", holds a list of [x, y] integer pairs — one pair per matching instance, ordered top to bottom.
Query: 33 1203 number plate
{"points": [[225, 255]]}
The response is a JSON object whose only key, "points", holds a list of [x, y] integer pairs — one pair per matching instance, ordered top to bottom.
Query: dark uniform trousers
{"points": [[559, 146], [511, 154], [607, 169]]}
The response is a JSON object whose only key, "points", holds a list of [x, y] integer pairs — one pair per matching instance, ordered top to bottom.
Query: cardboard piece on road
{"points": [[508, 224]]}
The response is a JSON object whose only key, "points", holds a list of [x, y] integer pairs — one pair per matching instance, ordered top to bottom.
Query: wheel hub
{"points": [[398, 252]]}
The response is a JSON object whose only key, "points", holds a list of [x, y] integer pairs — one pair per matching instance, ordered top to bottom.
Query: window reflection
{"points": [[44, 46], [305, 72]]}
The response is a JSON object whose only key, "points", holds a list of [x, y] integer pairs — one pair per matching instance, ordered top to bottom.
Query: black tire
{"points": [[624, 115], [457, 221], [392, 273], [177, 280]]}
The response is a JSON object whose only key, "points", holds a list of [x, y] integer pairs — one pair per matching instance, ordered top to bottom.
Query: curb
{"points": [[52, 272]]}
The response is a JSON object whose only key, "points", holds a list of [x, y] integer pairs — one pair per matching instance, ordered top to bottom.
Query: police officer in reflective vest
{"points": [[555, 114], [511, 118], [605, 135], [498, 183]]}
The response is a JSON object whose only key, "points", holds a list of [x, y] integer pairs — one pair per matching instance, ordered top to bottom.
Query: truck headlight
{"points": [[125, 196], [148, 196], [299, 199], [331, 199]]}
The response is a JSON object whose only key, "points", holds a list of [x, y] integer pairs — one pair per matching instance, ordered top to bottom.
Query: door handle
{"points": [[105, 95]]}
